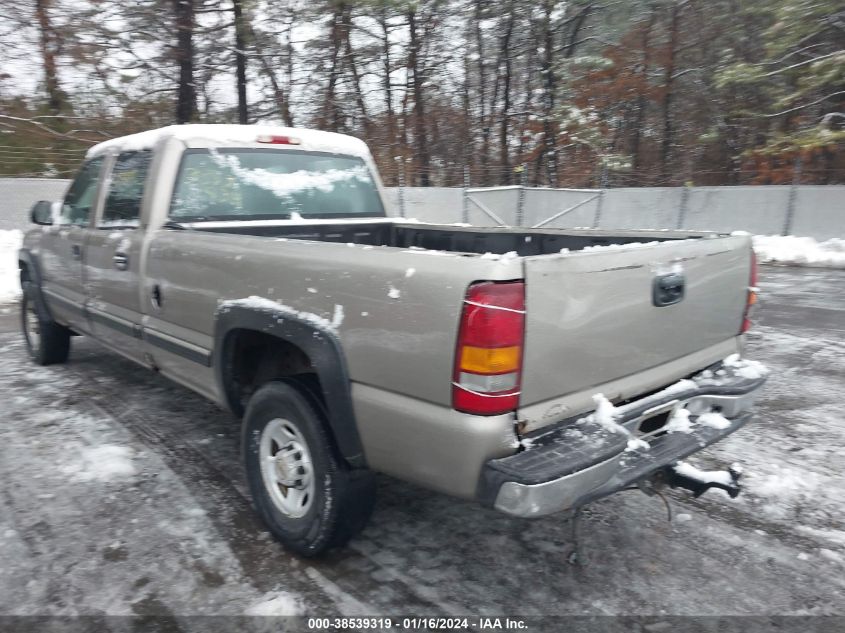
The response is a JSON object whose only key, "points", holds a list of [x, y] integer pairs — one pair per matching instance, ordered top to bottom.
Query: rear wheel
{"points": [[46, 341], [301, 488]]}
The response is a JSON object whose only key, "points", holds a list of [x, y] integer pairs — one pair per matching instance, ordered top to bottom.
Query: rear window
{"points": [[255, 184]]}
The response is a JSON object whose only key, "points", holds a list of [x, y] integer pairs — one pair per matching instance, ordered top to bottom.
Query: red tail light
{"points": [[752, 295], [488, 358]]}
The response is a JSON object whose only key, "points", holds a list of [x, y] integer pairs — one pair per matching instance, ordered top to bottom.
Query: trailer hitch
{"points": [[677, 475], [687, 476]]}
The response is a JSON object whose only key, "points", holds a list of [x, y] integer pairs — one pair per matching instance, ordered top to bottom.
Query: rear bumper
{"points": [[580, 461]]}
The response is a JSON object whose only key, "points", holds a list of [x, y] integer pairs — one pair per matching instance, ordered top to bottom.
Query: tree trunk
{"points": [[49, 44], [505, 55], [240, 60], [353, 68], [546, 70], [668, 81], [386, 84], [278, 94], [482, 94], [186, 100], [331, 112], [639, 114], [420, 132]]}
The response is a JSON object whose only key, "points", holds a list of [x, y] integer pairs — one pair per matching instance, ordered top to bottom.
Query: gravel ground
{"points": [[122, 494]]}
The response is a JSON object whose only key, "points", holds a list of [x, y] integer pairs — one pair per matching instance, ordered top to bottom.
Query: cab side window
{"points": [[126, 190], [82, 195]]}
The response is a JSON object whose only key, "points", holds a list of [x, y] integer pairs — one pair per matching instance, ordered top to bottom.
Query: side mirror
{"points": [[42, 212]]}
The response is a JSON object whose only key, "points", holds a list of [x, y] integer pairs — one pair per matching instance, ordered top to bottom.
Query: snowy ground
{"points": [[800, 251], [10, 287], [122, 494]]}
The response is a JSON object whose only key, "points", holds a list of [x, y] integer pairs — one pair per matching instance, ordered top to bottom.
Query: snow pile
{"points": [[285, 185], [616, 247], [417, 250], [800, 251], [505, 257], [10, 288], [733, 366], [745, 368], [605, 416], [714, 420], [679, 422], [102, 463], [277, 604]]}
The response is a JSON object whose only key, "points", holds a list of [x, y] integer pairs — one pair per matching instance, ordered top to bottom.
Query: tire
{"points": [[47, 342], [306, 495]]}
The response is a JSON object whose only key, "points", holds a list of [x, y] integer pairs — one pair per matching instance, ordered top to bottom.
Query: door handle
{"points": [[76, 252], [121, 261]]}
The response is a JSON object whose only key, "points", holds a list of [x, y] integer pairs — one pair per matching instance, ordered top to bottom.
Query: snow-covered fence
{"points": [[806, 210]]}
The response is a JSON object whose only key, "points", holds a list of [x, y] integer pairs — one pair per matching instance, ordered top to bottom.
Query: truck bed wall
{"points": [[453, 239]]}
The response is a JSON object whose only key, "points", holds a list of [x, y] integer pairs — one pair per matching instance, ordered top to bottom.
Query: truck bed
{"points": [[455, 239]]}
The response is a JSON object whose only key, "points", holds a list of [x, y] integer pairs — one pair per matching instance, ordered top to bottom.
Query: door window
{"points": [[126, 190], [82, 194]]}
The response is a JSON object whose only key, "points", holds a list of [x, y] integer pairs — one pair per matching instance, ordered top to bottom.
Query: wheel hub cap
{"points": [[33, 326], [286, 468]]}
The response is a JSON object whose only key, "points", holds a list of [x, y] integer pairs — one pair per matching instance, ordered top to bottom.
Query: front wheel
{"points": [[47, 342], [303, 491]]}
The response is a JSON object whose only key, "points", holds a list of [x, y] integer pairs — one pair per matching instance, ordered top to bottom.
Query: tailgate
{"points": [[591, 316]]}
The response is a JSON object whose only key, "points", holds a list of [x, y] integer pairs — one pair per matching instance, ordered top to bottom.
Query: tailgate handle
{"points": [[668, 289]]}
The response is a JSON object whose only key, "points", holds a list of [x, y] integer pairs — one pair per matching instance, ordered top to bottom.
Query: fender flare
{"points": [[25, 256], [323, 349]]}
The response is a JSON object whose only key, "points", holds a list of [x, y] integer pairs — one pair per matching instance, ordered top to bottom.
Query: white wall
{"points": [[818, 211]]}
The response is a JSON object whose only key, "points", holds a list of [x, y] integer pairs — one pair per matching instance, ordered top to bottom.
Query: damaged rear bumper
{"points": [[579, 461]]}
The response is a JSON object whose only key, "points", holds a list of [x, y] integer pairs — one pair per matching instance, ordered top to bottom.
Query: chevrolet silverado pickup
{"points": [[533, 370]]}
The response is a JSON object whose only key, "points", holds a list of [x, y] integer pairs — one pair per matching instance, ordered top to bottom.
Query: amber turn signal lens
{"points": [[486, 360]]}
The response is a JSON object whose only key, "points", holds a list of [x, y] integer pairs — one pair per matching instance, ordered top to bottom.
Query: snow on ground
{"points": [[10, 242], [800, 251], [104, 463], [277, 603]]}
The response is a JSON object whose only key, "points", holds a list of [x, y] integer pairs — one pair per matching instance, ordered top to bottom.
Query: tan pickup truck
{"points": [[533, 370]]}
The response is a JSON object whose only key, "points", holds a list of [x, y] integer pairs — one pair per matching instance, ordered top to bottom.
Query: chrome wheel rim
{"points": [[32, 326], [286, 467]]}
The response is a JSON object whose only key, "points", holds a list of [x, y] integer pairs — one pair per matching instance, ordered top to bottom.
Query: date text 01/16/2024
{"points": [[418, 623]]}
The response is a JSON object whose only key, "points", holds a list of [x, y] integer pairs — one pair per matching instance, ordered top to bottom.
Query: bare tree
{"points": [[50, 44], [240, 59], [186, 100]]}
